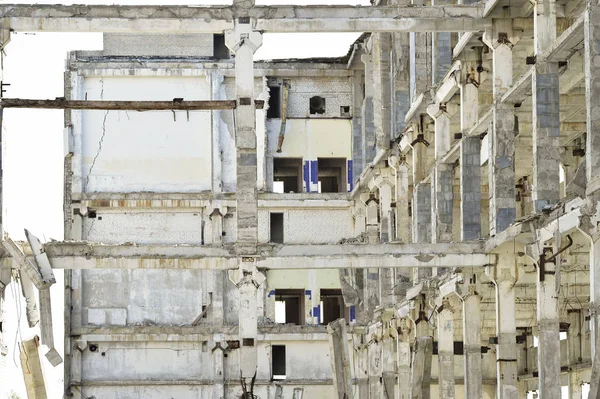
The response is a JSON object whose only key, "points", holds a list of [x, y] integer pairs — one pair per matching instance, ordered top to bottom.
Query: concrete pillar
{"points": [[243, 41], [441, 50], [420, 61], [401, 76], [592, 93], [382, 98], [469, 103], [546, 112], [368, 116], [443, 140], [358, 146], [501, 160], [419, 162], [470, 188], [442, 203], [385, 209], [422, 213], [216, 221], [403, 222], [421, 223], [504, 276], [5, 277], [247, 278], [575, 317], [595, 317], [548, 328], [472, 343], [446, 351], [340, 358], [404, 360], [389, 361], [219, 365], [361, 366], [421, 368], [375, 369], [33, 373]]}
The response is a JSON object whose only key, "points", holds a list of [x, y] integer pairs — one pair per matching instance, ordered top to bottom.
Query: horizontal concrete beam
{"points": [[193, 19], [61, 103], [86, 255]]}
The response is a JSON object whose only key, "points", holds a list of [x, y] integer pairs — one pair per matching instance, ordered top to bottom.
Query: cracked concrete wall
{"points": [[151, 151]]}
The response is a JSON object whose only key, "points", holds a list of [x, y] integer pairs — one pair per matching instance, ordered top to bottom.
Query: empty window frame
{"points": [[220, 50], [317, 105], [274, 110], [287, 175], [332, 175], [276, 228], [289, 306], [332, 306], [278, 362]]}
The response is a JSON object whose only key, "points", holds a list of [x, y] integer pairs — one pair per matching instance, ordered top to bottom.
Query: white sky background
{"points": [[33, 149]]}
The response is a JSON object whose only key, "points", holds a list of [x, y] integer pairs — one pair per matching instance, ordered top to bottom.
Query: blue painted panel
{"points": [[306, 171]]}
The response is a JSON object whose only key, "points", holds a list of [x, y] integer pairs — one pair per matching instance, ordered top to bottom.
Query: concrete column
{"points": [[244, 42], [441, 50], [420, 62], [401, 76], [592, 93], [382, 98], [469, 104], [546, 111], [368, 116], [443, 140], [358, 146], [419, 162], [501, 164], [470, 188], [442, 203], [385, 209], [422, 213], [403, 222], [421, 223], [504, 276], [5, 277], [247, 278], [595, 317], [548, 329], [472, 343], [446, 351], [574, 352], [404, 360], [340, 361], [389, 361], [219, 366], [361, 366], [421, 368], [375, 369]]}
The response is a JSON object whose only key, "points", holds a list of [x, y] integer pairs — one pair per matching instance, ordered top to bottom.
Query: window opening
{"points": [[220, 50], [317, 105], [274, 110], [287, 173], [332, 175], [277, 228], [289, 306], [332, 306], [278, 362]]}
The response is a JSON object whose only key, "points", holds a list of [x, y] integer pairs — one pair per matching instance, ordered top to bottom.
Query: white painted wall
{"points": [[157, 151]]}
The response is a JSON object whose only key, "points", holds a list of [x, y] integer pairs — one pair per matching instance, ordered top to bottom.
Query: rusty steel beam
{"points": [[174, 105]]}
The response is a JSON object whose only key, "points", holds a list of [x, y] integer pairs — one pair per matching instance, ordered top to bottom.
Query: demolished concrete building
{"points": [[437, 188]]}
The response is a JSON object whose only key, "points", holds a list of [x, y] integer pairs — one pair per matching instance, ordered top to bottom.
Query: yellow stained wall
{"points": [[317, 138]]}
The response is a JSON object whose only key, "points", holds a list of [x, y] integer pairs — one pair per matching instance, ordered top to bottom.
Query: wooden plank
{"points": [[61, 103]]}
